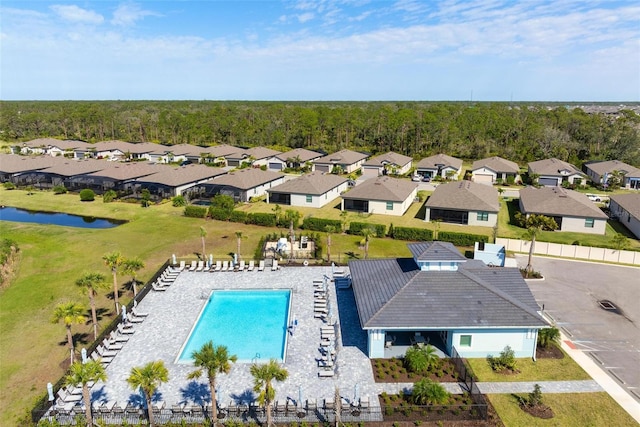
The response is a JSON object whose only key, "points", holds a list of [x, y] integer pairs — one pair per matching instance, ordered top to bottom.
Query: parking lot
{"points": [[576, 295]]}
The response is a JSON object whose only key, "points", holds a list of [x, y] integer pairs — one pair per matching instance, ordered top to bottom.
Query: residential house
{"points": [[54, 147], [121, 150], [224, 155], [260, 156], [293, 159], [343, 161], [386, 164], [439, 165], [18, 169], [492, 169], [62, 172], [555, 172], [601, 172], [115, 176], [171, 181], [244, 184], [311, 190], [383, 195], [463, 202], [626, 208], [571, 210], [439, 297]]}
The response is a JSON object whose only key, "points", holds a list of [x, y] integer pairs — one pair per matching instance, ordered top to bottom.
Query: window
{"points": [[309, 198], [389, 206], [483, 216], [588, 223], [465, 340]]}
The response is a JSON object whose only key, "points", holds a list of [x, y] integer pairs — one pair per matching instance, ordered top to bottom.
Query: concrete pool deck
{"points": [[172, 314]]}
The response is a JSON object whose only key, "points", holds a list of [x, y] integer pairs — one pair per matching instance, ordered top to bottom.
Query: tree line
{"points": [[517, 131]]}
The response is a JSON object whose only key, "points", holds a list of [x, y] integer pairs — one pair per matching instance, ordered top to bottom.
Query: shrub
{"points": [[9, 186], [59, 189], [87, 195], [109, 196], [145, 197], [179, 201], [222, 201], [193, 211], [219, 214], [238, 216], [263, 219], [320, 224], [357, 227], [409, 233], [461, 239], [258, 254], [548, 337], [421, 359], [506, 360], [427, 392]]}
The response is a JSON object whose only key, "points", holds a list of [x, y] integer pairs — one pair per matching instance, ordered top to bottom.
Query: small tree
{"points": [[59, 189], [87, 195], [109, 196], [145, 198], [178, 201], [224, 202], [343, 220], [534, 225], [329, 230], [367, 233], [203, 236], [239, 237], [620, 241], [114, 260], [131, 266], [92, 282], [70, 313], [548, 337], [421, 359], [505, 361], [83, 374], [263, 376], [148, 378], [427, 392], [535, 397]]}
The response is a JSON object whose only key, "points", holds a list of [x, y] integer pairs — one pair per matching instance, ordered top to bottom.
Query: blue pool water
{"points": [[55, 218], [251, 324]]}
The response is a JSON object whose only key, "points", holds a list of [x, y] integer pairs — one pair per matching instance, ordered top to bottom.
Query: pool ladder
{"points": [[255, 358]]}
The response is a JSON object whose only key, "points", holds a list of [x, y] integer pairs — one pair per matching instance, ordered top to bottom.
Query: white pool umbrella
{"points": [[174, 261], [124, 313], [83, 352], [50, 391]]}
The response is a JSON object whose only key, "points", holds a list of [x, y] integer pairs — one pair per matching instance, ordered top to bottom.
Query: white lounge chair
{"points": [[182, 265], [194, 265], [218, 265], [225, 265], [251, 265], [261, 265], [274, 265], [200, 266], [241, 266], [158, 287], [137, 313], [133, 319], [124, 330], [118, 338], [111, 345], [105, 353], [104, 360], [325, 373]]}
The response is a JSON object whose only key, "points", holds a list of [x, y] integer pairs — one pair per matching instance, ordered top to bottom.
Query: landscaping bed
{"points": [[393, 371]]}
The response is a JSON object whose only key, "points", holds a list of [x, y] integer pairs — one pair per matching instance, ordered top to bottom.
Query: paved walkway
{"points": [[588, 386]]}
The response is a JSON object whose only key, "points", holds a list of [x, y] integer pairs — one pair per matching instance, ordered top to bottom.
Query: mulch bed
{"points": [[552, 352], [393, 371], [538, 411]]}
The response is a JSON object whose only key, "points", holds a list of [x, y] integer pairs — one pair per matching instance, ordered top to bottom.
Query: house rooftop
{"points": [[63, 144], [124, 147], [259, 153], [303, 154], [342, 157], [390, 158], [439, 161], [14, 163], [496, 164], [609, 166], [72, 167], [553, 167], [125, 171], [174, 176], [245, 179], [314, 183], [382, 188], [465, 195], [557, 201], [629, 202], [435, 251]]}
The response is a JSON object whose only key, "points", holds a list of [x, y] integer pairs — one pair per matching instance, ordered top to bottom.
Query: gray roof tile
{"points": [[342, 157], [390, 158], [439, 160], [496, 164], [553, 167], [245, 179], [314, 183], [382, 188], [465, 196], [557, 201], [629, 202], [435, 251]]}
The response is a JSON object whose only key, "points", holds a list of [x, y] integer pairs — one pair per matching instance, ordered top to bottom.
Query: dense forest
{"points": [[520, 132]]}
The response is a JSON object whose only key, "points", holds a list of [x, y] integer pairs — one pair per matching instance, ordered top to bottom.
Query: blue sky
{"points": [[491, 50]]}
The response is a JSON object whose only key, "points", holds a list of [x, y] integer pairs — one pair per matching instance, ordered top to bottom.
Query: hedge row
{"points": [[195, 211], [320, 224], [357, 227], [408, 233], [461, 239]]}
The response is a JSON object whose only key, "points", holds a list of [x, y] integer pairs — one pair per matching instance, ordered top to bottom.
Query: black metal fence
{"points": [[469, 378]]}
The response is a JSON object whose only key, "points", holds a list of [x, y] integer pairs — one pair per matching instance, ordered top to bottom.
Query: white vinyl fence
{"points": [[571, 251]]}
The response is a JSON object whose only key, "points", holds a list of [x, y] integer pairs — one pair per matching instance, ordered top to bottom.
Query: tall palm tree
{"points": [[535, 224], [330, 229], [367, 233], [203, 235], [239, 237], [114, 260], [131, 266], [92, 282], [71, 313], [212, 360], [83, 374], [263, 375], [148, 378]]}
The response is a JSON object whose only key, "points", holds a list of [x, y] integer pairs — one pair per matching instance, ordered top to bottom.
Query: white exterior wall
{"points": [[353, 167], [404, 169], [484, 171], [456, 173], [261, 190], [318, 201], [399, 208], [625, 218], [492, 220], [577, 225], [485, 342], [375, 343]]}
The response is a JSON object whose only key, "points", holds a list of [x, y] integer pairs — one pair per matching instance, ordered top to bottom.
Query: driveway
{"points": [[570, 294]]}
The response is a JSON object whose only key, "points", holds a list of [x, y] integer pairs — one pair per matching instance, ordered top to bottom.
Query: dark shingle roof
{"points": [[302, 153], [342, 157], [390, 158], [439, 160], [14, 163], [496, 164], [613, 165], [553, 167], [174, 176], [246, 179], [315, 183], [382, 188], [465, 196], [557, 201], [629, 202], [435, 251], [395, 294]]}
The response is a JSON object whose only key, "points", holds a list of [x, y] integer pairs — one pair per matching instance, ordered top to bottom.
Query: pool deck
{"points": [[172, 314]]}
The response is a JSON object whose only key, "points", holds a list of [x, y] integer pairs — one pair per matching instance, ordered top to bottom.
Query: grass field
{"points": [[542, 370], [571, 410]]}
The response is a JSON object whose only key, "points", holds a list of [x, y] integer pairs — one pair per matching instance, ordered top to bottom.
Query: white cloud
{"points": [[74, 13], [127, 14], [304, 17]]}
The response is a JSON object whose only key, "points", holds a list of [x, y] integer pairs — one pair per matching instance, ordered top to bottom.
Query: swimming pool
{"points": [[252, 324]]}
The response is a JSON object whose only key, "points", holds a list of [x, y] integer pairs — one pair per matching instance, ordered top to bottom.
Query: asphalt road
{"points": [[570, 294]]}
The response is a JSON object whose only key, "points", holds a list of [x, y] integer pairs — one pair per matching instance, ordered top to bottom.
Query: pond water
{"points": [[55, 218]]}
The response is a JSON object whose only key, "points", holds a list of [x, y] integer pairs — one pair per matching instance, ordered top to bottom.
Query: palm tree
{"points": [[277, 210], [343, 219], [535, 224], [330, 229], [367, 233], [203, 235], [239, 237], [114, 260], [131, 266], [92, 282], [71, 313], [548, 336], [212, 360], [83, 374], [263, 375], [148, 377], [426, 392]]}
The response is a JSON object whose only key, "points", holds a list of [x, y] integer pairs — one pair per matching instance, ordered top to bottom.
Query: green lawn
{"points": [[541, 370], [570, 409]]}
